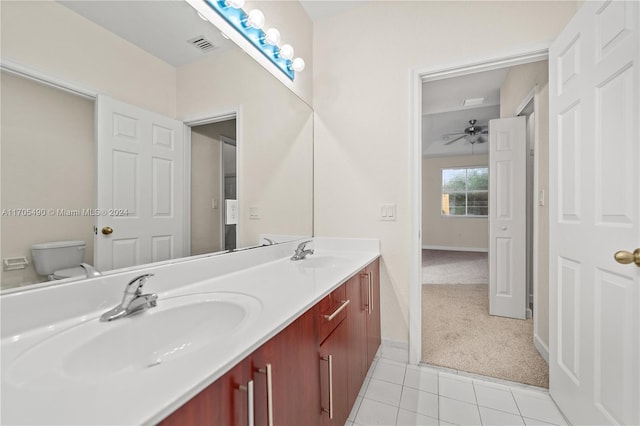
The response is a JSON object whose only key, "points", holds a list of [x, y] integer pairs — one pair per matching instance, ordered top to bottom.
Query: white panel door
{"points": [[594, 90], [140, 185], [508, 217]]}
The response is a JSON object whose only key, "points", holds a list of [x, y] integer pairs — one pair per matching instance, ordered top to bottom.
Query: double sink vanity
{"points": [[251, 337]]}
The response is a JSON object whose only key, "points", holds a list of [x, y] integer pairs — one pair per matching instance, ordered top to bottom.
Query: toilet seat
{"points": [[76, 271]]}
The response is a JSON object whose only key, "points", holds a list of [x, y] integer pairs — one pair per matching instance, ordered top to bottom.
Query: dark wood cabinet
{"points": [[372, 276], [357, 327], [334, 368], [308, 374], [294, 392], [224, 402]]}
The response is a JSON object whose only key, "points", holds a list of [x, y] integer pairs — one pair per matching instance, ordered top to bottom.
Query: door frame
{"points": [[419, 76], [201, 120]]}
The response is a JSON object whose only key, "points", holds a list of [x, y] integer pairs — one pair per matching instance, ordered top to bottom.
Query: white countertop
{"points": [[285, 289]]}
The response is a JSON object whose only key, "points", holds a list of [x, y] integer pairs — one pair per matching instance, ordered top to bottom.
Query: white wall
{"points": [[55, 40], [362, 96], [275, 140], [47, 163], [449, 231]]}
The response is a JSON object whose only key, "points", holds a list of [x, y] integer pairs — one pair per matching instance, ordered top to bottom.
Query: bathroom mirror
{"points": [[160, 57]]}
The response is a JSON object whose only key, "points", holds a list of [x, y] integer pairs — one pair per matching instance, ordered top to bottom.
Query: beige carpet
{"points": [[454, 267], [459, 333]]}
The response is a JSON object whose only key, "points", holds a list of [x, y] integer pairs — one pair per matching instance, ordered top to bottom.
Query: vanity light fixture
{"points": [[250, 26]]}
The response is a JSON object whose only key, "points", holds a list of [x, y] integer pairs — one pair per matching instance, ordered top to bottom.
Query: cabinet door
{"points": [[357, 293], [373, 314], [289, 361], [334, 366], [225, 402]]}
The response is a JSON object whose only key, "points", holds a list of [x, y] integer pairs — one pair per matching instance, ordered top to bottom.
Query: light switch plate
{"points": [[388, 212], [254, 213]]}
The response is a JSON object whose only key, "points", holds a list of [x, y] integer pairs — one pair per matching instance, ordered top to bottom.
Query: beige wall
{"points": [[53, 39], [362, 69], [518, 84], [275, 140], [47, 163], [206, 225], [443, 231]]}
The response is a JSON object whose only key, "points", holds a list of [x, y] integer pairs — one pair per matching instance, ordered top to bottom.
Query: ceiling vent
{"points": [[202, 44]]}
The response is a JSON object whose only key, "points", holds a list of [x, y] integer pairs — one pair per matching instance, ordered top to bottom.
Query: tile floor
{"points": [[395, 393]]}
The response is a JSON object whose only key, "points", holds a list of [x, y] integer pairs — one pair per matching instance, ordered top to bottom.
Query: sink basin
{"points": [[321, 261], [95, 350]]}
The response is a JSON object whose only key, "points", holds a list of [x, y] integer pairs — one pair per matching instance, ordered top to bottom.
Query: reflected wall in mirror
{"points": [[220, 97]]}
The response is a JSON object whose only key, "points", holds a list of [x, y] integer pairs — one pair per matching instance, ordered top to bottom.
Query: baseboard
{"points": [[479, 249], [541, 347], [394, 350]]}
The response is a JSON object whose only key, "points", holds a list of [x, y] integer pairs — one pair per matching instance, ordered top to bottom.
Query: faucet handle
{"points": [[303, 244], [136, 284]]}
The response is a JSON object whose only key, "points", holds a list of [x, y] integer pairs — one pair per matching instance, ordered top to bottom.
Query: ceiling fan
{"points": [[472, 134]]}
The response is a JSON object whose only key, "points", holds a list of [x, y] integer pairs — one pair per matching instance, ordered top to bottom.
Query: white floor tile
{"points": [[389, 371], [421, 378], [456, 387], [382, 391], [496, 398], [420, 402], [537, 406], [354, 409], [458, 412], [374, 413], [409, 418], [499, 418], [348, 423], [443, 423]]}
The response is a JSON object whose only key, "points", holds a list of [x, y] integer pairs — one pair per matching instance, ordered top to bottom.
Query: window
{"points": [[465, 192]]}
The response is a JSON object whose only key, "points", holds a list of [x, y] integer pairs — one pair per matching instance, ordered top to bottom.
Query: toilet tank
{"points": [[53, 256]]}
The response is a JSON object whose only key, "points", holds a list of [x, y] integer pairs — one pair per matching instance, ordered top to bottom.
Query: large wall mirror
{"points": [[137, 129]]}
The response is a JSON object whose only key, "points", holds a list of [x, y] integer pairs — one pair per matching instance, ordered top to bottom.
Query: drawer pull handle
{"points": [[370, 279], [337, 311], [329, 359], [267, 371], [249, 390]]}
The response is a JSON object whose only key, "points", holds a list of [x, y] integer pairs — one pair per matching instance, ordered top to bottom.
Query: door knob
{"points": [[107, 230], [625, 257]]}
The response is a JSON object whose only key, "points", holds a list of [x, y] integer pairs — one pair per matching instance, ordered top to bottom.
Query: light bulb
{"points": [[236, 4], [255, 19], [272, 36], [286, 52], [297, 64]]}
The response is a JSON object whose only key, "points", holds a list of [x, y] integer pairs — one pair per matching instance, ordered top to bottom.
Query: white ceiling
{"points": [[318, 9], [161, 28], [443, 110]]}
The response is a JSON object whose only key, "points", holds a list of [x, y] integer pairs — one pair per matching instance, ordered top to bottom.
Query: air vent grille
{"points": [[201, 43]]}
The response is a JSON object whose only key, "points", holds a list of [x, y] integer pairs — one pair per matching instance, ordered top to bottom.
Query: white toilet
{"points": [[59, 260]]}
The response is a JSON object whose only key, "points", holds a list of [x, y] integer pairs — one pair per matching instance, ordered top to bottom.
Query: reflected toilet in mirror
{"points": [[59, 260]]}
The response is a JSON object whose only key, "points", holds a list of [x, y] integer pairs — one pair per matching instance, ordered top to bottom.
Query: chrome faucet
{"points": [[301, 253], [90, 271], [133, 300]]}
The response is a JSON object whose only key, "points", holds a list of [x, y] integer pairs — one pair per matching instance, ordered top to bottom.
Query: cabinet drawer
{"points": [[332, 311]]}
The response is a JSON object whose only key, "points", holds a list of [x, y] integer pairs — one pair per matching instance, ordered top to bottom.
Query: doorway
{"points": [[214, 203], [457, 245]]}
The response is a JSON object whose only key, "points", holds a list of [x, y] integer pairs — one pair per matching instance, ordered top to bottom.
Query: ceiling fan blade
{"points": [[456, 139], [481, 140]]}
